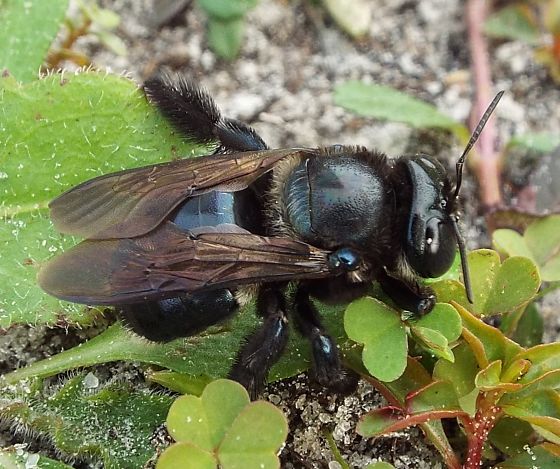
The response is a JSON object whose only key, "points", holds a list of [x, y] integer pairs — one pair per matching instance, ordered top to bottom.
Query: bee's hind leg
{"points": [[193, 113], [264, 346]]}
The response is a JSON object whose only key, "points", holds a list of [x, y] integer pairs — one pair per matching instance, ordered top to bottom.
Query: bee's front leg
{"points": [[407, 293]]}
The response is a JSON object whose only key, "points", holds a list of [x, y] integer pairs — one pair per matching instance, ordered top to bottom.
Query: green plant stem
{"points": [[442, 445], [335, 451]]}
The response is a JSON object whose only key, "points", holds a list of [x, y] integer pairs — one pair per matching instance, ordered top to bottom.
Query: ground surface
{"points": [[282, 84]]}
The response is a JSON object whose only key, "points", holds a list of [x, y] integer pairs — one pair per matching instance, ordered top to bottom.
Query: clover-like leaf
{"points": [[383, 102], [541, 243], [497, 287], [445, 319], [377, 326], [437, 329], [224, 424], [186, 456]]}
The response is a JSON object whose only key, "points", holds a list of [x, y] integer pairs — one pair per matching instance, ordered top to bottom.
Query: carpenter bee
{"points": [[176, 247]]}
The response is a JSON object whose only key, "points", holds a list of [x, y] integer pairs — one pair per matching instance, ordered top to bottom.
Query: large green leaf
{"points": [[28, 29], [55, 133], [209, 354], [112, 424]]}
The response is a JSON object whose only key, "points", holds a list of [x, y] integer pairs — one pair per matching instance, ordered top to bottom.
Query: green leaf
{"points": [[226, 9], [102, 17], [513, 22], [28, 29], [225, 37], [383, 102], [58, 132], [541, 142], [541, 243], [497, 288], [445, 319], [379, 328], [527, 328], [434, 341], [495, 346], [206, 355], [543, 358], [461, 373], [489, 377], [180, 382], [438, 395], [541, 409], [208, 416], [224, 422], [113, 424], [511, 435], [254, 438], [186, 456], [544, 456], [14, 458], [380, 465]]}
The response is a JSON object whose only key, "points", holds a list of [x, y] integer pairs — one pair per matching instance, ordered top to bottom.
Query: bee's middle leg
{"points": [[264, 346], [328, 368]]}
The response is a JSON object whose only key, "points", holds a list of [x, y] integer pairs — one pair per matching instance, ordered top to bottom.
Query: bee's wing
{"points": [[133, 202], [169, 261]]}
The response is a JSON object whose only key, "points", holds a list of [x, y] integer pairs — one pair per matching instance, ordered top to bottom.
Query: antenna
{"points": [[473, 139], [455, 219]]}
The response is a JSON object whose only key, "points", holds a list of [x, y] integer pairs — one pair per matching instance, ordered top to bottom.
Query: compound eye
{"points": [[440, 247]]}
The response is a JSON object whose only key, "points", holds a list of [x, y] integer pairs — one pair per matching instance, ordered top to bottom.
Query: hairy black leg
{"points": [[193, 113], [408, 294], [182, 316], [264, 346], [328, 368]]}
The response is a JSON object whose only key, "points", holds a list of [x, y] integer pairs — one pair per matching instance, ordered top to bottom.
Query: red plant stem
{"points": [[486, 163], [477, 429]]}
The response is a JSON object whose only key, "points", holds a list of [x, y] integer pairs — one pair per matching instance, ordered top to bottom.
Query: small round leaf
{"points": [[379, 328]]}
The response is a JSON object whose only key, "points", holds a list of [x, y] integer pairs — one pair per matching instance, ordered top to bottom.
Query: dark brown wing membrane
{"points": [[130, 203], [168, 261]]}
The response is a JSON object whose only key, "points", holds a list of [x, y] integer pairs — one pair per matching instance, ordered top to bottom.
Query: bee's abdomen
{"points": [[220, 208]]}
